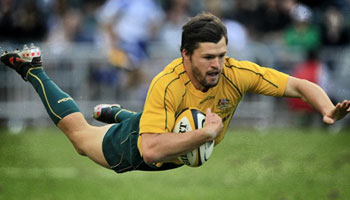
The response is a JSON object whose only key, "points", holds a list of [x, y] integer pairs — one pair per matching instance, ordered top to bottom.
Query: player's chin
{"points": [[212, 81], [210, 84]]}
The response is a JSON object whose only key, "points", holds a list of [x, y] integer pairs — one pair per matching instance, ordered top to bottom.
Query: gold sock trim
{"points": [[30, 69], [42, 86], [116, 115]]}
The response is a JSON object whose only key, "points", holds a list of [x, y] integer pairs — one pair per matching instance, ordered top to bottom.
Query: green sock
{"points": [[58, 104], [121, 114]]}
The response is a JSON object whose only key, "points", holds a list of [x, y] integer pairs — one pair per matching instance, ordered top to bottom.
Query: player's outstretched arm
{"points": [[317, 98], [167, 146]]}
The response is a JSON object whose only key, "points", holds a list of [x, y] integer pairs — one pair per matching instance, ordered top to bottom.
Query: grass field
{"points": [[281, 164]]}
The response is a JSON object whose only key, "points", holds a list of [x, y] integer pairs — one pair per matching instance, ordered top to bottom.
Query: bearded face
{"points": [[206, 63], [207, 78]]}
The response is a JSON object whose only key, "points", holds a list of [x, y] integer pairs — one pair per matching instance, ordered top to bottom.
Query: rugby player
{"points": [[203, 77]]}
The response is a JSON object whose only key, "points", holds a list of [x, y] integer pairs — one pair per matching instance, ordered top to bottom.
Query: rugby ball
{"points": [[187, 120]]}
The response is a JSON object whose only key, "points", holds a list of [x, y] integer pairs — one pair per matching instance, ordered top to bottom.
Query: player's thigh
{"points": [[86, 139], [91, 144]]}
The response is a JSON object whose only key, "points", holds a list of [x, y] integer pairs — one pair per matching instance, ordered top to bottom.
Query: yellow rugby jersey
{"points": [[171, 91]]}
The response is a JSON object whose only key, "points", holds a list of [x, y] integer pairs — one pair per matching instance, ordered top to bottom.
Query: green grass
{"points": [[280, 164]]}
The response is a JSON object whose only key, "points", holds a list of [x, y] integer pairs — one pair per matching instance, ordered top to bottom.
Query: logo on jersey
{"points": [[224, 103], [225, 106]]}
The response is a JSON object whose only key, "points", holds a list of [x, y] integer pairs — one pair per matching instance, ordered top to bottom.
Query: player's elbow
{"points": [[296, 87], [149, 151], [148, 156]]}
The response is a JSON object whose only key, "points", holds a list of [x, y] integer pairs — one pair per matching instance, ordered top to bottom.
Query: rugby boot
{"points": [[22, 61], [104, 112], [111, 113]]}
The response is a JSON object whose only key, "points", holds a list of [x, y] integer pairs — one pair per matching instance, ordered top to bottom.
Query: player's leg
{"points": [[61, 108], [111, 113], [86, 139]]}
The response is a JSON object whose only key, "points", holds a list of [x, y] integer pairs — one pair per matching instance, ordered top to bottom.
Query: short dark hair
{"points": [[204, 27]]}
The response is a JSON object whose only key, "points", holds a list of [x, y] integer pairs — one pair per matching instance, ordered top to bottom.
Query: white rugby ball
{"points": [[187, 120]]}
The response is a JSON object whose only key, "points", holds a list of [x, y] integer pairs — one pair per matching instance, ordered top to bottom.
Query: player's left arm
{"points": [[317, 98]]}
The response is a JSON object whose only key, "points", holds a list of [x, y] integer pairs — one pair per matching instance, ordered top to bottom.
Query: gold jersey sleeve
{"points": [[250, 77]]}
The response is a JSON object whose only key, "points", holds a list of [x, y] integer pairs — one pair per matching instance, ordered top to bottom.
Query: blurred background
{"points": [[107, 51]]}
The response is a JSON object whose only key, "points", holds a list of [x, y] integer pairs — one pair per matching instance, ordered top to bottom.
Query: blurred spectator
{"points": [[287, 6], [243, 11], [177, 13], [6, 19], [271, 19], [21, 21], [69, 23], [89, 27], [128, 27], [65, 30], [334, 32], [302, 34], [238, 37], [314, 70]]}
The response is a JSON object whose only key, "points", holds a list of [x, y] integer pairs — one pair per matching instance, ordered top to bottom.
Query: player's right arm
{"points": [[317, 98], [160, 147]]}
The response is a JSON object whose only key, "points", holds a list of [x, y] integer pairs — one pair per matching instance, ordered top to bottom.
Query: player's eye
{"points": [[209, 57]]}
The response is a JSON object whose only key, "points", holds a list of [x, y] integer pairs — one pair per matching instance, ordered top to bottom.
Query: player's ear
{"points": [[185, 54]]}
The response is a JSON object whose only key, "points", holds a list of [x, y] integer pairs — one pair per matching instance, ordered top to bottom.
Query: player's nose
{"points": [[215, 63]]}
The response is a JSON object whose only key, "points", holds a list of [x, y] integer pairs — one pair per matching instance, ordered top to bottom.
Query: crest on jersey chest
{"points": [[224, 103], [224, 106]]}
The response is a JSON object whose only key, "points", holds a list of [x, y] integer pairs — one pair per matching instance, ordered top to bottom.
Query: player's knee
{"points": [[78, 142], [79, 148], [80, 151]]}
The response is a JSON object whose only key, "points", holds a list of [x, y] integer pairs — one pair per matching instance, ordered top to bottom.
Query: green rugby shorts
{"points": [[120, 148]]}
